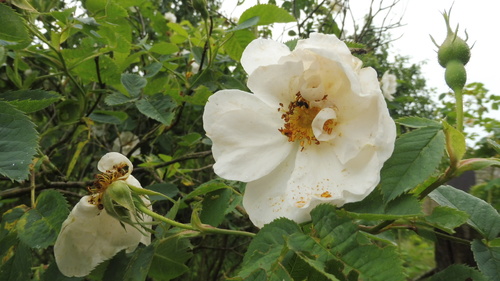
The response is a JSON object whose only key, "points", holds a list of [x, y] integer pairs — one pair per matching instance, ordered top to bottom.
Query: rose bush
{"points": [[315, 129]]}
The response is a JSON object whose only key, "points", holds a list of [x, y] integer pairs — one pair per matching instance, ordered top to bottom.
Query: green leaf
{"points": [[23, 4], [267, 14], [246, 24], [179, 29], [13, 33], [237, 42], [164, 48], [153, 69], [133, 83], [200, 96], [117, 98], [30, 100], [158, 107], [109, 117], [417, 122], [18, 142], [491, 142], [455, 143], [416, 156], [473, 164], [207, 187], [167, 189], [214, 207], [373, 207], [483, 217], [447, 218], [39, 227], [340, 235], [267, 246], [171, 254], [314, 254], [487, 258], [17, 267], [138, 267], [114, 270], [458, 272]]}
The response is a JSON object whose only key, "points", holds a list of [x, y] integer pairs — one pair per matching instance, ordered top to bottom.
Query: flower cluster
{"points": [[315, 129], [90, 235]]}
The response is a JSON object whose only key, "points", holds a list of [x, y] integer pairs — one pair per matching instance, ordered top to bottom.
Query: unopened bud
{"points": [[453, 47]]}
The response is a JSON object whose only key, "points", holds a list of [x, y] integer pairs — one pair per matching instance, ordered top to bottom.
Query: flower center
{"points": [[298, 121], [102, 181]]}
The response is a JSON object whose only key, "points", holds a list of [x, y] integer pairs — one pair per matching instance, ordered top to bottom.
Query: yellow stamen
{"points": [[298, 119], [102, 181]]}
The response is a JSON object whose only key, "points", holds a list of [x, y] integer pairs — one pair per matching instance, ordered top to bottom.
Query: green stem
{"points": [[459, 109], [148, 212], [201, 229]]}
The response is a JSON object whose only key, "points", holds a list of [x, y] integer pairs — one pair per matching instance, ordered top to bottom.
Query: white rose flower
{"points": [[170, 17], [389, 84], [316, 128], [125, 142], [90, 235]]}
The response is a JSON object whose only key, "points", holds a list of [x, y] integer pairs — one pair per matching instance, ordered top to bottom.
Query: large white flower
{"points": [[389, 85], [316, 128], [90, 235]]}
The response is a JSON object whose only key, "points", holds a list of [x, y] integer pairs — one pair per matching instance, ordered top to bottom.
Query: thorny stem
{"points": [[201, 229]]}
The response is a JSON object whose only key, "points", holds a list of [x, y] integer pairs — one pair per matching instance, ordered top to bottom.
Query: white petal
{"points": [[328, 42], [328, 46], [261, 52], [278, 83], [319, 121], [365, 122], [244, 131], [112, 159], [320, 177], [264, 199], [90, 236]]}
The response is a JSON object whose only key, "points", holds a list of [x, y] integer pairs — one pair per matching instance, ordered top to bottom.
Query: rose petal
{"points": [[262, 52], [275, 84], [366, 122], [318, 124], [244, 131], [112, 159], [320, 177], [264, 199], [90, 236]]}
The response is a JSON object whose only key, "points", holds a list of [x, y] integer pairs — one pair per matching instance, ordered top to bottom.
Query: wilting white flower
{"points": [[169, 16], [388, 84], [316, 128], [125, 142], [90, 235]]}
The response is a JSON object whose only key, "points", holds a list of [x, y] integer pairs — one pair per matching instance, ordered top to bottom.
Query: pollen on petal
{"points": [[326, 194]]}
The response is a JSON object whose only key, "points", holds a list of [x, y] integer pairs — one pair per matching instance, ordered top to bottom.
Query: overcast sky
{"points": [[481, 19]]}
